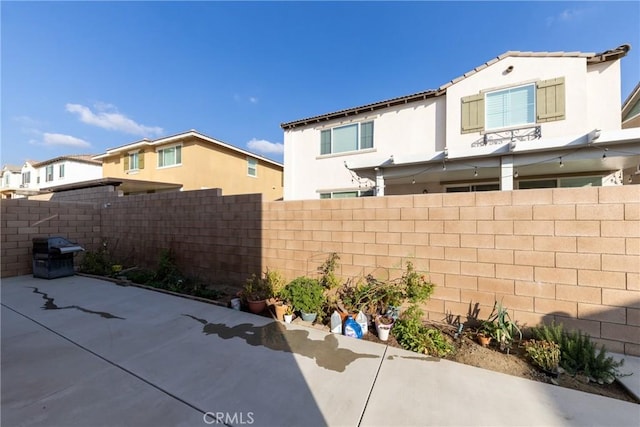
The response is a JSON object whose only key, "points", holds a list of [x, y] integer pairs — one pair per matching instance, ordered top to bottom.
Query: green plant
{"points": [[97, 262], [327, 271], [168, 275], [274, 282], [416, 286], [256, 289], [305, 294], [500, 327], [413, 335], [545, 354], [578, 354]]}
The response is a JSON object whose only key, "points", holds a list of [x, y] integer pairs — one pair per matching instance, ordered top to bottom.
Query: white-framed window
{"points": [[510, 107], [352, 137], [170, 156], [134, 159], [252, 167], [61, 170], [48, 173], [26, 178], [6, 179], [570, 182], [346, 194]]}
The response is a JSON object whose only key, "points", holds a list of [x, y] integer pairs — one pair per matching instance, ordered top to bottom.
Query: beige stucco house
{"points": [[192, 161]]}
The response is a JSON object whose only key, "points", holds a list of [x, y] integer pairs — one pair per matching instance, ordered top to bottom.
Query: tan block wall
{"points": [[21, 220], [213, 238], [570, 255]]}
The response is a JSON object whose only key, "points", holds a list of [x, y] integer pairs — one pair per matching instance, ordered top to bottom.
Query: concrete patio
{"points": [[86, 352]]}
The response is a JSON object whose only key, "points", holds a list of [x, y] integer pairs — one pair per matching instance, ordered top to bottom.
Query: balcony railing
{"points": [[511, 135]]}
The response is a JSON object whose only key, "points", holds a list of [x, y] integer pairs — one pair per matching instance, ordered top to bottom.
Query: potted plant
{"points": [[255, 293], [306, 295], [288, 315], [384, 324], [485, 333]]}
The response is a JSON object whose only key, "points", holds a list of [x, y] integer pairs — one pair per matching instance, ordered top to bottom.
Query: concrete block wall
{"points": [[21, 220], [214, 238], [570, 255]]}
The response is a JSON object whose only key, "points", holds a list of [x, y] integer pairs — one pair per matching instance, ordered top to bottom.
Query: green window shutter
{"points": [[550, 100], [472, 119], [325, 141], [141, 160], [126, 162]]}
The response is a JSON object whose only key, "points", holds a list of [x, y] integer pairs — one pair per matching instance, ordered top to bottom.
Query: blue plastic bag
{"points": [[352, 328]]}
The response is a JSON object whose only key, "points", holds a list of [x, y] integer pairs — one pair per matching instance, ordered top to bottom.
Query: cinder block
{"points": [[619, 194], [583, 195], [536, 197], [494, 198], [459, 199], [428, 200], [400, 201], [632, 211], [522, 212], [554, 212], [612, 212], [414, 213], [444, 213], [476, 213], [388, 214], [376, 226], [407, 226], [430, 226], [462, 227], [495, 227], [535, 228], [577, 228], [620, 228], [386, 238], [416, 239], [451, 240], [477, 241], [514, 242], [554, 244], [601, 245], [633, 247], [376, 249], [407, 251], [429, 252], [460, 254], [497, 256], [534, 258], [578, 261], [625, 263], [444, 266], [480, 269], [516, 272], [457, 281], [633, 281], [500, 286], [535, 289], [446, 293], [585, 294], [484, 298], [621, 298], [516, 302], [556, 308], [602, 313], [633, 316], [528, 319], [589, 327], [624, 333], [629, 348]]}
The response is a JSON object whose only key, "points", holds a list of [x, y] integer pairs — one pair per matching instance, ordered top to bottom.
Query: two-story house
{"points": [[522, 120], [193, 161], [36, 177], [10, 181]]}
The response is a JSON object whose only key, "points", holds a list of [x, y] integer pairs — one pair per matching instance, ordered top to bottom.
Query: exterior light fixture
{"points": [[509, 69], [561, 164], [475, 171], [515, 175], [413, 181]]}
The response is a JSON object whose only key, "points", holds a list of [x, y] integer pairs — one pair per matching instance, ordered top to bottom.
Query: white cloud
{"points": [[566, 16], [253, 100], [107, 117], [58, 139], [264, 146]]}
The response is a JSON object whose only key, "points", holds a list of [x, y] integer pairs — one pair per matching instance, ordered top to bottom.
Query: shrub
{"points": [[97, 263], [305, 294], [500, 327], [413, 335], [544, 354], [578, 354]]}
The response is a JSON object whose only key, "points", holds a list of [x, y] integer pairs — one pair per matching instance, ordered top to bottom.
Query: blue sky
{"points": [[81, 77]]}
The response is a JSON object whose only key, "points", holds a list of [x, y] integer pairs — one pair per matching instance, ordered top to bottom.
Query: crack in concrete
{"points": [[49, 304]]}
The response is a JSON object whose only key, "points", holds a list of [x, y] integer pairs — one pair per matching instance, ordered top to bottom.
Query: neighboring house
{"points": [[631, 109], [522, 120], [193, 161], [66, 170], [36, 177], [10, 181]]}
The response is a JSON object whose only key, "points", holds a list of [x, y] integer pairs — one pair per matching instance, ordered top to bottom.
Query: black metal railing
{"points": [[511, 135]]}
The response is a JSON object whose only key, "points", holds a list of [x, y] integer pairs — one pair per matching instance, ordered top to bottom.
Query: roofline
{"points": [[592, 58], [627, 104], [179, 137], [91, 161]]}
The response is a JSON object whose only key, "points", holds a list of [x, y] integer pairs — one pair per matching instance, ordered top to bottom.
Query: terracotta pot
{"points": [[257, 307], [280, 310], [483, 340]]}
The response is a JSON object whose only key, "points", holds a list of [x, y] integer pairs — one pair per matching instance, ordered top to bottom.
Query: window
{"points": [[516, 106], [510, 107], [354, 137], [171, 156], [134, 161], [252, 166], [61, 171], [49, 173], [26, 178], [6, 179], [588, 181], [468, 188], [346, 194]]}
